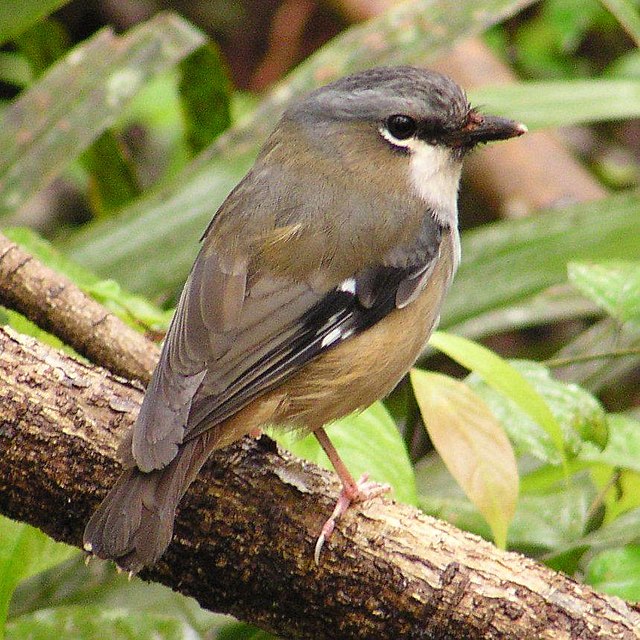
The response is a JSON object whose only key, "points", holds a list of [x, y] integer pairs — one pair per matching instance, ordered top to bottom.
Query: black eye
{"points": [[401, 127]]}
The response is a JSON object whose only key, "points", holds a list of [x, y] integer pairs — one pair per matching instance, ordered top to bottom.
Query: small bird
{"points": [[317, 285]]}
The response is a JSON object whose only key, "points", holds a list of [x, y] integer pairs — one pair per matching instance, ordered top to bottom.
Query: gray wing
{"points": [[220, 327], [231, 341]]}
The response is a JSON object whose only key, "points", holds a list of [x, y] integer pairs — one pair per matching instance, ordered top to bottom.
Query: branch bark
{"points": [[57, 305], [245, 532]]}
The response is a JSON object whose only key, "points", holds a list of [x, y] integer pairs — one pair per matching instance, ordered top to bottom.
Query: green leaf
{"points": [[17, 16], [547, 43], [43, 44], [625, 66], [15, 69], [205, 93], [84, 94], [561, 103], [156, 109], [113, 181], [145, 233], [507, 262], [613, 285], [561, 302], [130, 308], [23, 325], [599, 356], [503, 377], [578, 415], [368, 442], [472, 444], [623, 446], [619, 490], [441, 496], [552, 519], [543, 521], [625, 529], [24, 551], [616, 572], [98, 586], [96, 623], [243, 631]]}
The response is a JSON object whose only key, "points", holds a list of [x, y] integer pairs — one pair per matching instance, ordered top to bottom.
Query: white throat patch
{"points": [[435, 175]]}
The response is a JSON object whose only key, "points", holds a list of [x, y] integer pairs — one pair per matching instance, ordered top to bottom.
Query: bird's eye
{"points": [[401, 127]]}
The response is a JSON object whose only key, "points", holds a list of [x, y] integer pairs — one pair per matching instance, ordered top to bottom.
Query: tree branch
{"points": [[57, 305], [245, 532]]}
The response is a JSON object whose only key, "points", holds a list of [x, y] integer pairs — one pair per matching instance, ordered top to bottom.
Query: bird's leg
{"points": [[352, 491]]}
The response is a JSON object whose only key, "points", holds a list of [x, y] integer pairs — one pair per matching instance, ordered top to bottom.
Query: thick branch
{"points": [[57, 305], [245, 532]]}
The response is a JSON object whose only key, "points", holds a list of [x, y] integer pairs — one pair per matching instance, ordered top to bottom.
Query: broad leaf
{"points": [[614, 286], [559, 302], [600, 355], [503, 377], [579, 415], [472, 444], [623, 445], [619, 490], [545, 520], [624, 530], [24, 551], [616, 572], [95, 622]]}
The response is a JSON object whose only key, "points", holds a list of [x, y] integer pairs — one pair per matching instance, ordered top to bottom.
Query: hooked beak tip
{"points": [[482, 128], [520, 129]]}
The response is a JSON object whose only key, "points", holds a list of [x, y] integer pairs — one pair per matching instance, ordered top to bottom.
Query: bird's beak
{"points": [[483, 128]]}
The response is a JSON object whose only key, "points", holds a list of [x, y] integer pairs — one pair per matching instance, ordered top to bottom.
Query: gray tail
{"points": [[134, 523]]}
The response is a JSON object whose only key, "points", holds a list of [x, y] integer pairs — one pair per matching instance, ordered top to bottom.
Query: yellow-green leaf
{"points": [[503, 377], [473, 446]]}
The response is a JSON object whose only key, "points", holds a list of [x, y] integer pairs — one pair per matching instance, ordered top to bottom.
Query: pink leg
{"points": [[352, 491]]}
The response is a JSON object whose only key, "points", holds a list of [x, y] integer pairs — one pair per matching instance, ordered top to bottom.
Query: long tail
{"points": [[134, 523]]}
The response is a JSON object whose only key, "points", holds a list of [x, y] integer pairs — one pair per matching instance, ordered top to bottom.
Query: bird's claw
{"points": [[364, 489]]}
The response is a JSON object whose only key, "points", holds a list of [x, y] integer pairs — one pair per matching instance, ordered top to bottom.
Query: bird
{"points": [[317, 285]]}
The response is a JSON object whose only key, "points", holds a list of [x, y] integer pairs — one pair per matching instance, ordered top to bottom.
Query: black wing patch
{"points": [[352, 307], [345, 311]]}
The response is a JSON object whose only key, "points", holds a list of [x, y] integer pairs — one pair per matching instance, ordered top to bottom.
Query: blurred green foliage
{"points": [[148, 127]]}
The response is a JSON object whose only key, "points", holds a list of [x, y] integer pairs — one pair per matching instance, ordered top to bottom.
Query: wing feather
{"points": [[237, 334]]}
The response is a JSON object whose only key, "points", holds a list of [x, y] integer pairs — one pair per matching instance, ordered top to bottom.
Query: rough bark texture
{"points": [[57, 305], [245, 532]]}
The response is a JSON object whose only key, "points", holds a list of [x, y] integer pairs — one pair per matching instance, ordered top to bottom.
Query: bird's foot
{"points": [[363, 489]]}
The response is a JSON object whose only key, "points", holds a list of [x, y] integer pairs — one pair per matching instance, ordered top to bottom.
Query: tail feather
{"points": [[134, 523]]}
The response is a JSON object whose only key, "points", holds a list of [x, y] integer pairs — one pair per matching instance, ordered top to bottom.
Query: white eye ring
{"points": [[407, 143]]}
